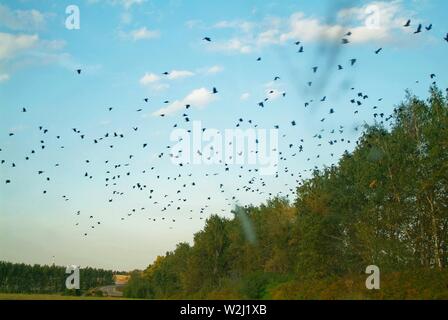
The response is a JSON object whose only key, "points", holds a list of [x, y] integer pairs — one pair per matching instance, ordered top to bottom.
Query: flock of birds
{"points": [[185, 182]]}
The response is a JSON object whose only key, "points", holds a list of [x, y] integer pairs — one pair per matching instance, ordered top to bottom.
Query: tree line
{"points": [[384, 204], [45, 279]]}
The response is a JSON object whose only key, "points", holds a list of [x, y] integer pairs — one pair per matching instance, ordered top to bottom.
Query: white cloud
{"points": [[127, 4], [385, 15], [126, 18], [390, 18], [21, 19], [193, 23], [240, 25], [298, 26], [310, 30], [144, 34], [53, 44], [12, 45], [232, 45], [23, 50], [214, 69], [210, 70], [179, 74], [4, 77], [149, 78], [152, 81], [160, 86], [245, 96], [199, 98]]}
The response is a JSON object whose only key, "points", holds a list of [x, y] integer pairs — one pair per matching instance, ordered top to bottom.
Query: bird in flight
{"points": [[407, 24], [419, 29], [446, 38], [207, 39], [378, 51], [79, 71]]}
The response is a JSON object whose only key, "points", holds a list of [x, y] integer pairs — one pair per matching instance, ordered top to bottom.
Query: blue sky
{"points": [[123, 48]]}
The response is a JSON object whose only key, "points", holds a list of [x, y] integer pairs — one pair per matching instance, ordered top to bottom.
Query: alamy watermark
{"points": [[373, 17], [73, 20], [201, 146], [373, 280], [72, 281]]}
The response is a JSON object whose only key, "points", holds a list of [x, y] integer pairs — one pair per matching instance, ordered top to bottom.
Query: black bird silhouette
{"points": [[407, 24], [428, 28], [419, 29], [446, 38], [207, 39], [345, 41], [300, 50], [378, 51], [259, 59], [353, 61], [79, 71], [215, 91]]}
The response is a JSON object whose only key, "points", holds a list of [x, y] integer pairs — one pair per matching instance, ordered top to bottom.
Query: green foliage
{"points": [[386, 204], [23, 278], [256, 285], [138, 287]]}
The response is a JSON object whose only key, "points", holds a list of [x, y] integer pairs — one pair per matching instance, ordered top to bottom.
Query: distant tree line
{"points": [[384, 204], [24, 278]]}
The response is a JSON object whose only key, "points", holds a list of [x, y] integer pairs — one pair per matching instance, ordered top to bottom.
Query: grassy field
{"points": [[19, 296]]}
